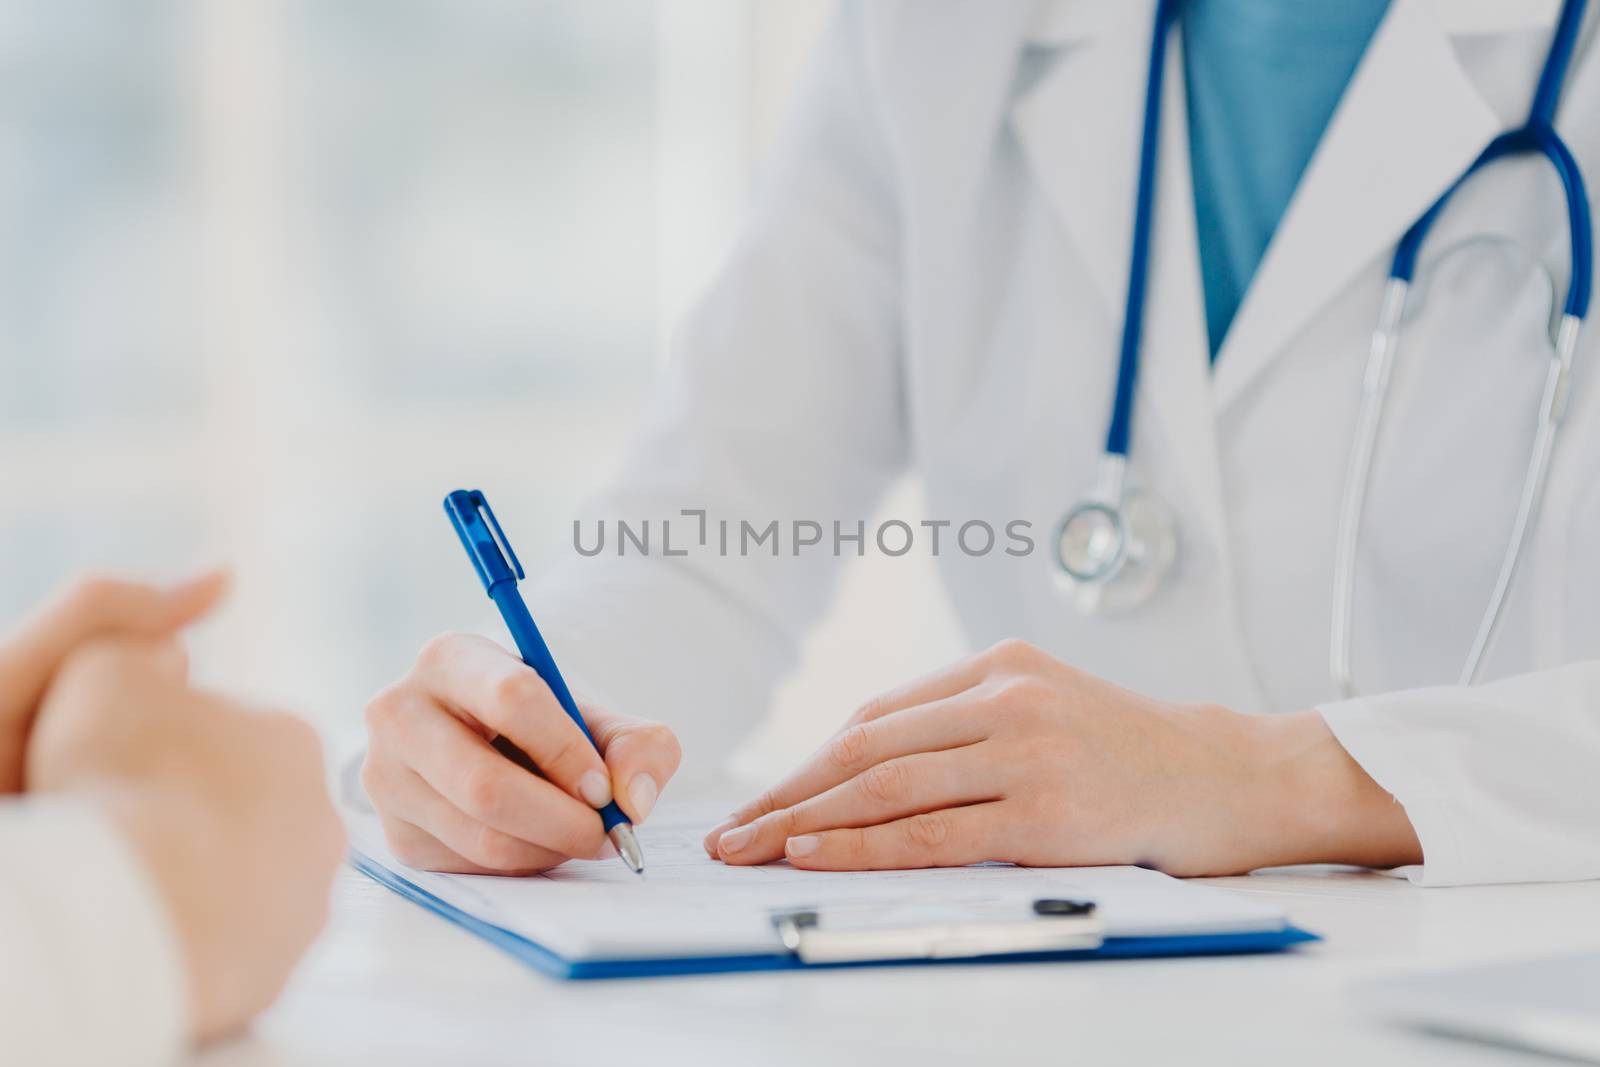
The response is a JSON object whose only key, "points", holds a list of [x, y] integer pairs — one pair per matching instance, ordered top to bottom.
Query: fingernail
{"points": [[595, 788], [643, 793], [714, 835], [734, 840], [802, 846], [608, 851]]}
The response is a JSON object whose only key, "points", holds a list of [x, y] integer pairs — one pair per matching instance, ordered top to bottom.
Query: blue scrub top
{"points": [[1263, 78]]}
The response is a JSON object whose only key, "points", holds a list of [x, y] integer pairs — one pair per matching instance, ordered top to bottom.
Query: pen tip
{"points": [[623, 837]]}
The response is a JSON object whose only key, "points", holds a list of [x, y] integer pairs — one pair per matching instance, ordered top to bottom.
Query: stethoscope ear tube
{"points": [[1551, 410], [1358, 476], [1352, 510]]}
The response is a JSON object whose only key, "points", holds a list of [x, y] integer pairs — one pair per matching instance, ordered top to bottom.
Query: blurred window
{"points": [[277, 274]]}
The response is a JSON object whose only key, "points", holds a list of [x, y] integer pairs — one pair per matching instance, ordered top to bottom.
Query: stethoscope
{"points": [[1115, 548]]}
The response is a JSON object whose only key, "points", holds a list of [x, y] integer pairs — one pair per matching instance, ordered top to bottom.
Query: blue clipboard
{"points": [[546, 962]]}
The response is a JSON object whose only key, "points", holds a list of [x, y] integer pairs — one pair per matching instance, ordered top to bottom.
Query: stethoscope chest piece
{"points": [[1113, 557]]}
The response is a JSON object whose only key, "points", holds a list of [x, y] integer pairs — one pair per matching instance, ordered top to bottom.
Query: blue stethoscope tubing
{"points": [[1120, 429], [1097, 548], [1093, 549]]}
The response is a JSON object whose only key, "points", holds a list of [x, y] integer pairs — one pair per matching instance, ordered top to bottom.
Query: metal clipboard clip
{"points": [[901, 930]]}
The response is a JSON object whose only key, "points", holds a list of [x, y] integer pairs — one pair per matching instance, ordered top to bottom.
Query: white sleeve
{"points": [[782, 401], [1501, 781], [91, 970]]}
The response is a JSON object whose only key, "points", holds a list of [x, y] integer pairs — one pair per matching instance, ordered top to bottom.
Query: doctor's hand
{"points": [[90, 608], [1014, 756], [450, 800]]}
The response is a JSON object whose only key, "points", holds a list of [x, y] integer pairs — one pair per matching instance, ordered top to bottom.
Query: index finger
{"points": [[483, 683], [937, 685], [942, 724], [494, 793]]}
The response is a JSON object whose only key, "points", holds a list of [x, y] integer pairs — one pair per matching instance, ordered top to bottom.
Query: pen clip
{"points": [[480, 533], [499, 535]]}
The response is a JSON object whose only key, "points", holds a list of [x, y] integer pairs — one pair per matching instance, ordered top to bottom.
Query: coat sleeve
{"points": [[782, 402], [1499, 780], [1502, 780], [91, 970]]}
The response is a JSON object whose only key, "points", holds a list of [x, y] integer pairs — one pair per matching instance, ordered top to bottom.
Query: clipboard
{"points": [[857, 940]]}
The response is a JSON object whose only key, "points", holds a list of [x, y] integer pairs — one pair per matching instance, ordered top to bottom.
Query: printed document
{"points": [[687, 904]]}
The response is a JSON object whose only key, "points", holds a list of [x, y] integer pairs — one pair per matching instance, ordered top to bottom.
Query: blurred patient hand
{"points": [[92, 608], [450, 801], [225, 806]]}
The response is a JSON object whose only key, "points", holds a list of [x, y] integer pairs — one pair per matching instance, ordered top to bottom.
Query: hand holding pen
{"points": [[440, 765]]}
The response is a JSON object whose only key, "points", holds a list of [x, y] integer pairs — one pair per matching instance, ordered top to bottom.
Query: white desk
{"points": [[391, 984]]}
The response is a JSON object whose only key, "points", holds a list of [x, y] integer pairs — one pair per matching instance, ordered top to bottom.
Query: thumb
{"points": [[96, 607], [641, 756]]}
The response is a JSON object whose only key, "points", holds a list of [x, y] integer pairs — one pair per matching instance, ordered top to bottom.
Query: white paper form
{"points": [[687, 904]]}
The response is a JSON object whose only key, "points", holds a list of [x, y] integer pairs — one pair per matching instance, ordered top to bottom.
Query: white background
{"points": [[277, 274]]}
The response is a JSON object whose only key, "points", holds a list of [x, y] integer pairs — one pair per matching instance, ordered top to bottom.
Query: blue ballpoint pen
{"points": [[483, 539]]}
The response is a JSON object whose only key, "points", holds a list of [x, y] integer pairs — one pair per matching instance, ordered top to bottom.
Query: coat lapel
{"points": [[1410, 122]]}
